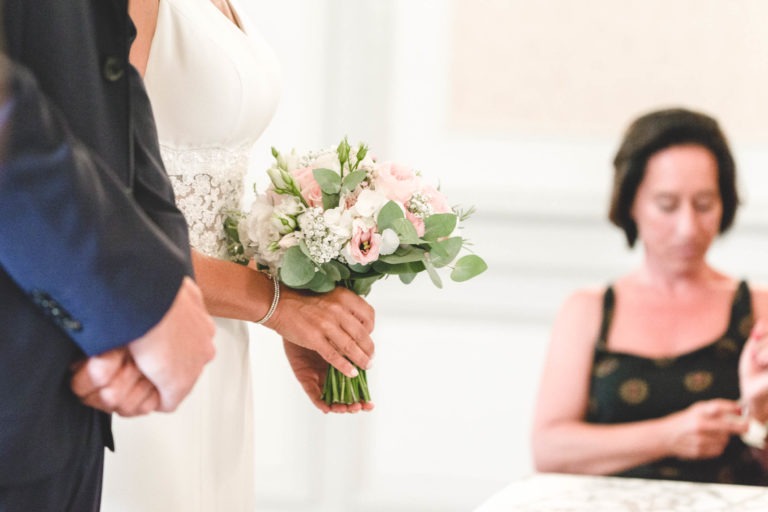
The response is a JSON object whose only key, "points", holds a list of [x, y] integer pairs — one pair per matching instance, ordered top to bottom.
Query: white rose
{"points": [[329, 160], [369, 202], [338, 222]]}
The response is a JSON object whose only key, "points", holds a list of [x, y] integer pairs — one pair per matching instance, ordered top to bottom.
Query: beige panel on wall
{"points": [[585, 67]]}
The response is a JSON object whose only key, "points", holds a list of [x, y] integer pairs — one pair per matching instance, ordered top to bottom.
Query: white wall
{"points": [[517, 107]]}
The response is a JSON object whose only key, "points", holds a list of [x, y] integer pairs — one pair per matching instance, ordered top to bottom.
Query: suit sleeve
{"points": [[72, 236]]}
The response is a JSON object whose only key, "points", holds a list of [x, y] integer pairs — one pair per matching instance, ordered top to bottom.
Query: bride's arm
{"points": [[143, 13], [337, 324]]}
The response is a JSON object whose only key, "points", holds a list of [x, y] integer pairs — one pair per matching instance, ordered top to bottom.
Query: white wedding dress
{"points": [[213, 91]]}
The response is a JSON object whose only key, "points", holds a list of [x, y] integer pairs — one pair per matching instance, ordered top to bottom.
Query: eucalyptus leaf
{"points": [[352, 180], [329, 181], [330, 201], [388, 214], [439, 226], [405, 231], [445, 251], [403, 255], [468, 267], [399, 268], [297, 269], [360, 269], [343, 270], [331, 271], [432, 272], [407, 278], [321, 283], [363, 286]]}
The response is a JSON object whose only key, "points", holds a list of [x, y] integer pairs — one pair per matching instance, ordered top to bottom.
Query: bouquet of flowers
{"points": [[338, 217]]}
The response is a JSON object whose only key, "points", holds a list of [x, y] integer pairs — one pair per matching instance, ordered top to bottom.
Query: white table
{"points": [[547, 492]]}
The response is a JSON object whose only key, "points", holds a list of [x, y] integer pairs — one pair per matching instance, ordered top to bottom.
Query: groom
{"points": [[94, 255]]}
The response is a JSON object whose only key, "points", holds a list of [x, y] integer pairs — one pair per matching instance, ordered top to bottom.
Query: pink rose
{"points": [[396, 181], [309, 187], [437, 200], [417, 222], [365, 244]]}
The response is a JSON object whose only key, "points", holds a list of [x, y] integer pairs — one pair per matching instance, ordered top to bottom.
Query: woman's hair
{"points": [[659, 130]]}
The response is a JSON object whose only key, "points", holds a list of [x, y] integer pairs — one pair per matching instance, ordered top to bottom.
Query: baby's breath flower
{"points": [[419, 205], [322, 242]]}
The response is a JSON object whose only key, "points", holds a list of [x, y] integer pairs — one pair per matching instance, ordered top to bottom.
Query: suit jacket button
{"points": [[113, 68], [71, 324]]}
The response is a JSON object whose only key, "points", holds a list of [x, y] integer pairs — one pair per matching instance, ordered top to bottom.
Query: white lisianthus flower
{"points": [[369, 203], [389, 242]]}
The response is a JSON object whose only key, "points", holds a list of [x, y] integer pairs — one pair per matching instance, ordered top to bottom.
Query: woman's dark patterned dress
{"points": [[627, 388]]}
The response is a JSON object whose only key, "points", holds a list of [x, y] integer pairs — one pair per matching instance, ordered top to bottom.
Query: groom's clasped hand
{"points": [[156, 371]]}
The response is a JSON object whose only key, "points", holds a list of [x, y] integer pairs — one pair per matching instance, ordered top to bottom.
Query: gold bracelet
{"points": [[275, 299]]}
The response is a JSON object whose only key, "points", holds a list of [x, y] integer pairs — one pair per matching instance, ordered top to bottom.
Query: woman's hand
{"points": [[337, 325], [310, 370], [753, 373], [703, 430]]}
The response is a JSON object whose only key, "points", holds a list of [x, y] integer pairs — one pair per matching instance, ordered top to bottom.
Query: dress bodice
{"points": [[214, 89]]}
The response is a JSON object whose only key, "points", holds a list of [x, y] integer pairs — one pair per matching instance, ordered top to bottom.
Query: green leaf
{"points": [[352, 180], [329, 181], [330, 201], [389, 213], [439, 226], [405, 231], [445, 251], [403, 255], [468, 267], [340, 268], [399, 268], [297, 269], [360, 269], [331, 271], [432, 272], [407, 278], [321, 283], [362, 286]]}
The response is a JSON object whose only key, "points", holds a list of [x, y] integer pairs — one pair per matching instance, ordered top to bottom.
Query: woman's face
{"points": [[678, 207]]}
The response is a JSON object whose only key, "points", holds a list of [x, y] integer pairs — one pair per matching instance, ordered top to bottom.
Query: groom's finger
{"points": [[97, 372], [111, 397], [142, 399]]}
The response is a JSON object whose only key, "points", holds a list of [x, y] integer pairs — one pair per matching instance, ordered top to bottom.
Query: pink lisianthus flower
{"points": [[396, 181], [309, 187], [417, 222], [365, 245]]}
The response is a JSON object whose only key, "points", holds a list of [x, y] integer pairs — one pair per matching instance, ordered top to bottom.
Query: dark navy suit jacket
{"points": [[92, 247]]}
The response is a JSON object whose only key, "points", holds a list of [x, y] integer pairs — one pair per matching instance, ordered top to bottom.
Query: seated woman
{"points": [[642, 377]]}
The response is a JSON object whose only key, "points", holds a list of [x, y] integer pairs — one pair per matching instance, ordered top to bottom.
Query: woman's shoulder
{"points": [[585, 302]]}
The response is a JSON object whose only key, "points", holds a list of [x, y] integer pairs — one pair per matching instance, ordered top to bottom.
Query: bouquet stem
{"points": [[340, 389]]}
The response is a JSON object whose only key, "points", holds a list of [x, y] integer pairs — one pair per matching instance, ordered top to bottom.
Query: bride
{"points": [[214, 85]]}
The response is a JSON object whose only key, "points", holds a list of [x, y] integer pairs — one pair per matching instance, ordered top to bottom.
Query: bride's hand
{"points": [[336, 325], [310, 370]]}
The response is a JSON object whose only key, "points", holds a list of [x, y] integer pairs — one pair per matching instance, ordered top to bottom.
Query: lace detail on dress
{"points": [[208, 183]]}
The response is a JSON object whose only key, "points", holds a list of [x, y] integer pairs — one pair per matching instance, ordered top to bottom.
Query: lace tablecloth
{"points": [[572, 493]]}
